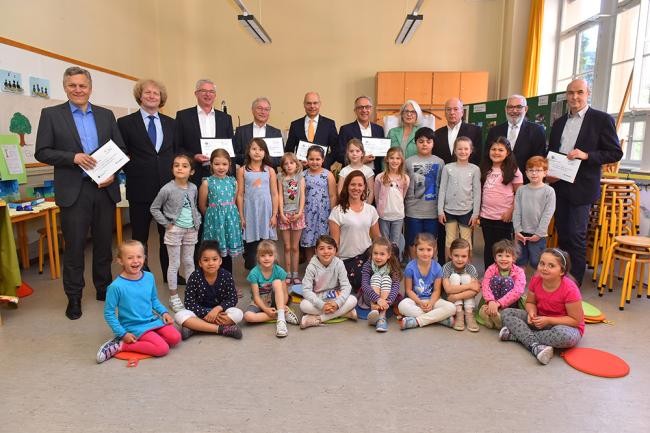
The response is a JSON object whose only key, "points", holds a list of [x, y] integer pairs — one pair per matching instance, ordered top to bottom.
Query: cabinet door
{"points": [[445, 85], [417, 86], [473, 87], [390, 88]]}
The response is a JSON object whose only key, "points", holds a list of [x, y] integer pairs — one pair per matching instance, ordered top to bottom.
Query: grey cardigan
{"points": [[167, 205]]}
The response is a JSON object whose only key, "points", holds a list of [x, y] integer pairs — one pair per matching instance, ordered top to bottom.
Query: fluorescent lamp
{"points": [[411, 23], [254, 28]]}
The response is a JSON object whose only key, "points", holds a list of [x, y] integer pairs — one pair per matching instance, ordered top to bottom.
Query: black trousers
{"points": [[93, 210], [140, 216], [571, 224], [493, 232]]}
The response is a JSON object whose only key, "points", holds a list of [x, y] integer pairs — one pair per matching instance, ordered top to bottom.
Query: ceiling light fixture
{"points": [[411, 23]]}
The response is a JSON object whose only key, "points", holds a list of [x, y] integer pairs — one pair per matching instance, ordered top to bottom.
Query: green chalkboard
{"points": [[542, 109]]}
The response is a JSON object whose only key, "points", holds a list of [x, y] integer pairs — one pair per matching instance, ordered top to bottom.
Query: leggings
{"points": [[178, 254], [309, 308], [441, 310], [559, 336], [155, 342]]}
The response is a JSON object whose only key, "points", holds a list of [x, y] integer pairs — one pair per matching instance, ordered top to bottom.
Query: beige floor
{"points": [[339, 378]]}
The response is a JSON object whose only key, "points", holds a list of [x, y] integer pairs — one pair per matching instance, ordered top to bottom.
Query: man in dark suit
{"points": [[201, 121], [362, 127], [258, 128], [314, 128], [67, 135], [589, 135], [445, 137], [149, 139], [527, 139], [443, 148]]}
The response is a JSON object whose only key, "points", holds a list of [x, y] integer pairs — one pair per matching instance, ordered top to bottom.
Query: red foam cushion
{"points": [[127, 356], [596, 362]]}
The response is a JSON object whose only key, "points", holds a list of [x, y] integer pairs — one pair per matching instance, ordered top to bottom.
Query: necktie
{"points": [[151, 130], [310, 130], [512, 136]]}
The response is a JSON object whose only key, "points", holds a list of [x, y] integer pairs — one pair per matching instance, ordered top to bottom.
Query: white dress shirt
{"points": [[207, 123], [307, 125], [571, 130], [259, 131], [452, 134], [512, 135]]}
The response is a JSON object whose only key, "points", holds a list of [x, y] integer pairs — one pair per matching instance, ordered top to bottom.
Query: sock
{"points": [[173, 296], [382, 314], [281, 315]]}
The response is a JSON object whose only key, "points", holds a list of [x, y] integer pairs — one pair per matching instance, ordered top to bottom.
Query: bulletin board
{"points": [[31, 79], [542, 109]]}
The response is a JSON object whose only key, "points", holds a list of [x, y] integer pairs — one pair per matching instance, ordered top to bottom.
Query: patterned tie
{"points": [[151, 130], [310, 131], [512, 136]]}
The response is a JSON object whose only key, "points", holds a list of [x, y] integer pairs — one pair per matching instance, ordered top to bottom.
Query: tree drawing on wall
{"points": [[20, 125]]}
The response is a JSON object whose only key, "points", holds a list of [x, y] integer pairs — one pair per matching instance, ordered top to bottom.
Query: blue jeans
{"points": [[419, 225], [391, 230], [531, 252]]}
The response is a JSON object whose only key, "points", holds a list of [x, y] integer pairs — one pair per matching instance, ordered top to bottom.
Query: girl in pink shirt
{"points": [[500, 179], [553, 316]]}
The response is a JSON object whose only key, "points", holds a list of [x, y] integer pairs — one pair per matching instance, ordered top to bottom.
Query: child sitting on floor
{"points": [[460, 281]]}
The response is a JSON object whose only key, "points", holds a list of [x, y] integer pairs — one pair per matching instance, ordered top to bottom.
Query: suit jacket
{"points": [[352, 130], [244, 134], [325, 135], [187, 136], [598, 138], [58, 141], [531, 141], [441, 142], [148, 170]]}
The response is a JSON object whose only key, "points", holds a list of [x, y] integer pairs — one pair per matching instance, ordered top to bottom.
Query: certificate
{"points": [[208, 145], [276, 146], [304, 146], [375, 146], [110, 159], [561, 167]]}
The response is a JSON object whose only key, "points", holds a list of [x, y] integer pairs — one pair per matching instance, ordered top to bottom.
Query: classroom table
{"points": [[19, 219], [9, 269]]}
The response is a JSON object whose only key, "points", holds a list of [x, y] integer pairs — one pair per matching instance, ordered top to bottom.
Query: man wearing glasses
{"points": [[201, 121], [259, 127], [362, 127], [447, 135], [527, 139]]}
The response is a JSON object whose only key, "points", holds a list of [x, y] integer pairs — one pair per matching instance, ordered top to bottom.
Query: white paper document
{"points": [[209, 145], [276, 146], [304, 146], [376, 146], [12, 158], [110, 159], [561, 167]]}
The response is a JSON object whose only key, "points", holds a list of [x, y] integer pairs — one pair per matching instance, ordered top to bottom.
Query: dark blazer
{"points": [[352, 130], [244, 134], [187, 135], [325, 135], [598, 138], [58, 141], [531, 141], [441, 142], [148, 170]]}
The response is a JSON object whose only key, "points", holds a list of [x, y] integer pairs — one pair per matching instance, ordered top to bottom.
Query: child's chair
{"points": [[42, 234]]}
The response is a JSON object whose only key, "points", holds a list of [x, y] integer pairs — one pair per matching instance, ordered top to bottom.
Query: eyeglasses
{"points": [[204, 91], [363, 107], [515, 107], [264, 109], [409, 112], [534, 170]]}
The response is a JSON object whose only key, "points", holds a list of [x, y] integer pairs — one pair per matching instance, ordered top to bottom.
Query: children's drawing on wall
{"points": [[11, 81], [40, 87], [20, 125]]}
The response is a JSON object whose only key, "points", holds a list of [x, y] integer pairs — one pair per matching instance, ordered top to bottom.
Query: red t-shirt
{"points": [[553, 304]]}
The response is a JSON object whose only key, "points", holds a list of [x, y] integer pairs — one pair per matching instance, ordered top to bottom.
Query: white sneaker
{"points": [[176, 304], [352, 314], [291, 317], [373, 317], [281, 329], [108, 350], [543, 353]]}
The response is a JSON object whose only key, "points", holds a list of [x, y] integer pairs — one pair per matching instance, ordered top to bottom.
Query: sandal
{"points": [[296, 281]]}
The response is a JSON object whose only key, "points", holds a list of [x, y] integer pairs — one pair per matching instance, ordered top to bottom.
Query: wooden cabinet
{"points": [[445, 85], [417, 86], [473, 87], [390, 88]]}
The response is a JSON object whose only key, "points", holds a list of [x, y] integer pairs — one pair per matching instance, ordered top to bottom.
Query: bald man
{"points": [[314, 128], [589, 135], [444, 137]]}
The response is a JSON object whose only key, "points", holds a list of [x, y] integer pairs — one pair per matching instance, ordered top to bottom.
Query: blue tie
{"points": [[151, 130]]}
